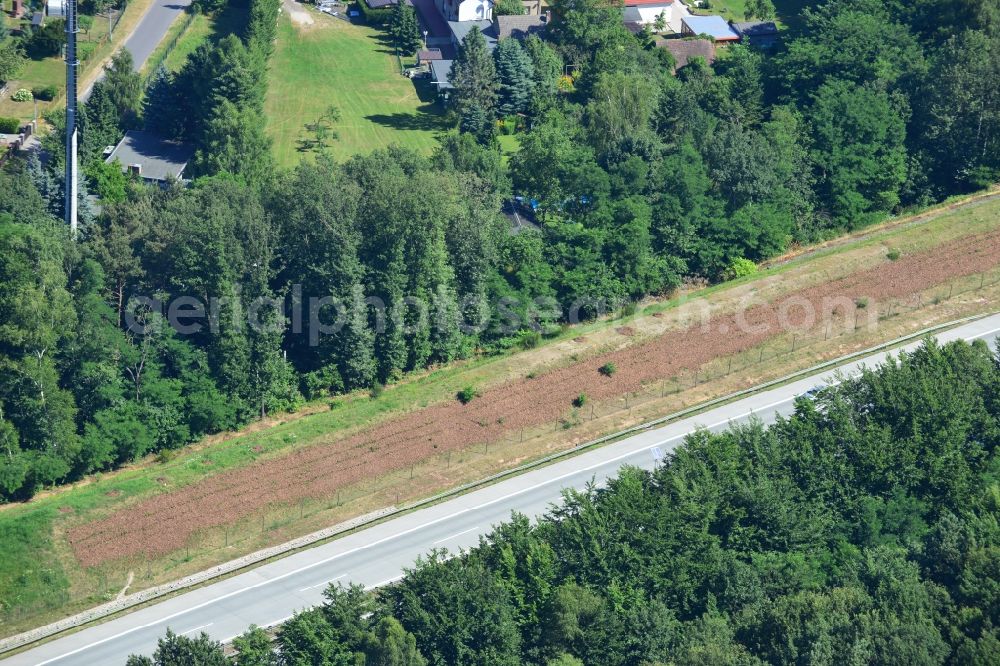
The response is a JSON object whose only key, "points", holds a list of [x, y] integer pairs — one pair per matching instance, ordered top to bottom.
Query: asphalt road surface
{"points": [[149, 33], [271, 593]]}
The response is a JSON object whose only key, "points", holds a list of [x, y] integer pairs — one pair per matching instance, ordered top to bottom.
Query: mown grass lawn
{"points": [[788, 11], [332, 62]]}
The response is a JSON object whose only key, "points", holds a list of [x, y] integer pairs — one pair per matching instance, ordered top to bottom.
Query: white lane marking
{"points": [[405, 532], [449, 538], [379, 542], [385, 582], [322, 584], [191, 631]]}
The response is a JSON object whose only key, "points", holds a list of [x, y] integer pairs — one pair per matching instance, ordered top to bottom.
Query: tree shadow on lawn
{"points": [[384, 42], [427, 94], [425, 119]]}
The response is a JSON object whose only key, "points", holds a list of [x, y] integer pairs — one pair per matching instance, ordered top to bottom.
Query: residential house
{"points": [[465, 10], [647, 12], [713, 26], [501, 27], [519, 27], [460, 29], [762, 34], [683, 50], [427, 56], [441, 76], [151, 157]]}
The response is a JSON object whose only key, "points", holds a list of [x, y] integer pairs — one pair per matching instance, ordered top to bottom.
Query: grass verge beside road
{"points": [[189, 32], [333, 62], [42, 580]]}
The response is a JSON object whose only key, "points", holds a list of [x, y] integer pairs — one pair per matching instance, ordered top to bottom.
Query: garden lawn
{"points": [[788, 11], [332, 62]]}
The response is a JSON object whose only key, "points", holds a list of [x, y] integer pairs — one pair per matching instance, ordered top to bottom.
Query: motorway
{"points": [[376, 556]]}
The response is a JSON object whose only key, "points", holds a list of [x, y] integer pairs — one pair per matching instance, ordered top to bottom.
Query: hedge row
{"points": [[374, 16]]}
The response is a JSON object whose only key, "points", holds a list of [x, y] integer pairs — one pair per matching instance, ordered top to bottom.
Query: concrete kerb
{"points": [[226, 568], [137, 598]]}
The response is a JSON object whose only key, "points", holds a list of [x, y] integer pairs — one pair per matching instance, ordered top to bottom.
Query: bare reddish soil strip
{"points": [[163, 523]]}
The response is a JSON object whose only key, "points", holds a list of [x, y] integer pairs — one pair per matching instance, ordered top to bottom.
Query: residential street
{"points": [[148, 34]]}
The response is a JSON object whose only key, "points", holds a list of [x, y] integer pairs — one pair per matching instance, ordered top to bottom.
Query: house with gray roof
{"points": [[713, 26], [519, 27], [461, 29], [762, 34], [683, 50], [441, 73], [151, 157]]}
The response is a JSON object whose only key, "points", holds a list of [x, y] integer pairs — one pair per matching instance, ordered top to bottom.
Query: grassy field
{"points": [[788, 11], [332, 62], [40, 580]]}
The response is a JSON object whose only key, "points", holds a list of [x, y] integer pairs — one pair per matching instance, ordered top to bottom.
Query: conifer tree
{"points": [[404, 29], [516, 74], [474, 75]]}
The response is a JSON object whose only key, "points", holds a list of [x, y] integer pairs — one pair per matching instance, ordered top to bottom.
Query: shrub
{"points": [[375, 17], [85, 50], [45, 93], [22, 95], [9, 125], [508, 125], [892, 254], [738, 268], [861, 303], [530, 339], [608, 369], [466, 395], [580, 400]]}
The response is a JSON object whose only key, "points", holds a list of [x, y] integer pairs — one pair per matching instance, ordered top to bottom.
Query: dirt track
{"points": [[164, 523]]}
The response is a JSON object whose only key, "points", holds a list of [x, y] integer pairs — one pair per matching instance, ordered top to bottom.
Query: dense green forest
{"points": [[642, 178], [861, 530]]}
